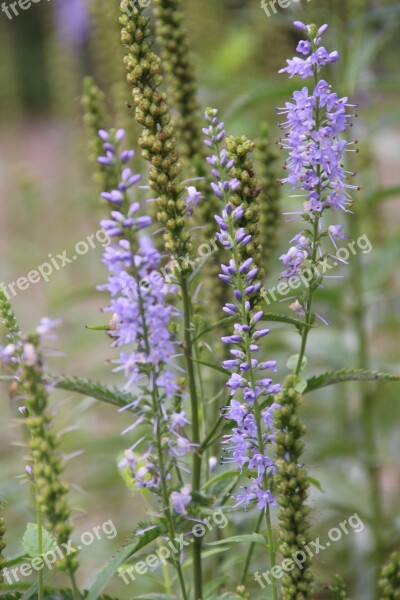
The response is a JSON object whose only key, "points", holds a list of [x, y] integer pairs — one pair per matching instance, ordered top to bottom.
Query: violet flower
{"points": [[316, 120], [140, 326], [248, 444]]}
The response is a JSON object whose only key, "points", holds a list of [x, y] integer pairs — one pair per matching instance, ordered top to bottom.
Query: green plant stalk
{"points": [[311, 289], [310, 295], [368, 408], [156, 410], [197, 453], [164, 487], [40, 544], [251, 550]]}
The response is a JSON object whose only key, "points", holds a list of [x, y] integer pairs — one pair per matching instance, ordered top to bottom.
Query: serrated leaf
{"points": [[343, 375], [93, 389], [247, 538], [30, 541], [106, 574]]}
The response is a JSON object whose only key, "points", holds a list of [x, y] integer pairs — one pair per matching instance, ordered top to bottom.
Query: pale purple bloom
{"points": [[316, 120], [242, 446]]}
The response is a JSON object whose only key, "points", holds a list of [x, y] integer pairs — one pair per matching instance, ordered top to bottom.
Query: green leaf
{"points": [[267, 317], [284, 319], [293, 360], [212, 366], [343, 375], [300, 386], [93, 389], [222, 476], [315, 483], [248, 538], [30, 541], [204, 554], [15, 560], [106, 574], [34, 588]]}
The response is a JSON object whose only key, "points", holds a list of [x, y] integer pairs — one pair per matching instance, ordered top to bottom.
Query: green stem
{"points": [[309, 315], [368, 419], [159, 444], [197, 454], [164, 487], [40, 545], [251, 550], [75, 590]]}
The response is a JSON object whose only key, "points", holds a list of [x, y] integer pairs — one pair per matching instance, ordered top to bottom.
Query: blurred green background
{"points": [[48, 204]]}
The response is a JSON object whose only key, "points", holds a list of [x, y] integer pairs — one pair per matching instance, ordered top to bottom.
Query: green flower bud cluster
{"points": [[175, 53], [110, 72], [95, 118], [158, 142], [240, 149], [270, 196], [8, 317], [46, 463], [292, 487], [2, 546], [389, 583], [339, 589]]}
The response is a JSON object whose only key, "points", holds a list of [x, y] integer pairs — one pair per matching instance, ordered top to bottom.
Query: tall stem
{"points": [[159, 417], [368, 420], [197, 454], [40, 545], [251, 550]]}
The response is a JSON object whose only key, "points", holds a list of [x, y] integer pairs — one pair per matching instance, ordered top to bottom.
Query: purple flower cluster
{"points": [[317, 55], [315, 123], [141, 314], [141, 318], [249, 441]]}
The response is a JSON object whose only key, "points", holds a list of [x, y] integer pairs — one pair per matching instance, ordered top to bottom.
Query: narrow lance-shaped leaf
{"points": [[343, 375]]}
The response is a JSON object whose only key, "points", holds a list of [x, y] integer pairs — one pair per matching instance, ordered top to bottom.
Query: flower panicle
{"points": [[178, 64], [95, 118], [315, 124], [158, 141], [270, 196], [141, 323], [253, 433], [44, 466], [293, 488], [389, 582]]}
